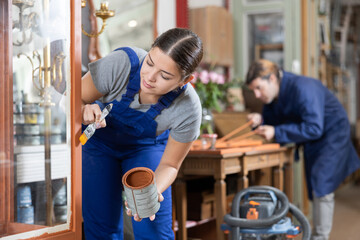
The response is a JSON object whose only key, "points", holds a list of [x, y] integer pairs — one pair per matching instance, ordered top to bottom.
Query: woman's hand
{"points": [[92, 113], [255, 118], [136, 217]]}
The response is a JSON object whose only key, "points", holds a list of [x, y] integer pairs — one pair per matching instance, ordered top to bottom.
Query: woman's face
{"points": [[159, 74]]}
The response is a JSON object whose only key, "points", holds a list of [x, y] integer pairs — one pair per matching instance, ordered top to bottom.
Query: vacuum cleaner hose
{"points": [[234, 219], [235, 222], [306, 228]]}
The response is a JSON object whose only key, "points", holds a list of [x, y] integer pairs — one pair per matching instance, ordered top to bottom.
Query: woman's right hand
{"points": [[92, 113], [255, 118]]}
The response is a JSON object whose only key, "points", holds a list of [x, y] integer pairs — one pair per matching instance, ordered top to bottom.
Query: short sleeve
{"points": [[187, 120]]}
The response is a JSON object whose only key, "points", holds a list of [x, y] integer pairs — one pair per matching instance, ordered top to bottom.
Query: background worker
{"points": [[299, 109], [154, 119]]}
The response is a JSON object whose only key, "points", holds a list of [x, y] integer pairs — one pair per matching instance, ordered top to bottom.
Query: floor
{"points": [[346, 224]]}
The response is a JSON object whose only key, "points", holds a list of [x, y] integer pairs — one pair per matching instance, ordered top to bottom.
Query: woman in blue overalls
{"points": [[300, 109], [155, 117]]}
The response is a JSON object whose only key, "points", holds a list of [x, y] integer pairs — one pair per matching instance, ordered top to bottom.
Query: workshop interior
{"points": [[237, 179]]}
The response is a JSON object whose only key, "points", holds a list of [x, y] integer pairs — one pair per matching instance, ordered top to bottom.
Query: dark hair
{"points": [[183, 46], [262, 68]]}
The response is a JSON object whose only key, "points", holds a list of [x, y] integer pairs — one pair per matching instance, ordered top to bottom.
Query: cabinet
{"points": [[214, 25], [40, 156]]}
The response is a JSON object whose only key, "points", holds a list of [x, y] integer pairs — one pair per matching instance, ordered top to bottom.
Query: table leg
{"points": [[278, 177], [243, 181], [289, 181], [220, 197], [181, 208]]}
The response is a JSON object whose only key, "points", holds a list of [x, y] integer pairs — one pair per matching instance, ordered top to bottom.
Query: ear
{"points": [[273, 78], [186, 80]]}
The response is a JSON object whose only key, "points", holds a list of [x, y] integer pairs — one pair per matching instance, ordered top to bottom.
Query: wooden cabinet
{"points": [[214, 25], [37, 63]]}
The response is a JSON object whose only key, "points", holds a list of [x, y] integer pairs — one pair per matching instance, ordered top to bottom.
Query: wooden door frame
{"points": [[6, 118], [6, 125]]}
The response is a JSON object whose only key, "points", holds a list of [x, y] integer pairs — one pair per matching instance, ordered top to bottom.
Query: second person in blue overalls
{"points": [[155, 118]]}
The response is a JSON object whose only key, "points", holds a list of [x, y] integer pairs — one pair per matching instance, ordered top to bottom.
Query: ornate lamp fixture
{"points": [[104, 13], [25, 22], [55, 73]]}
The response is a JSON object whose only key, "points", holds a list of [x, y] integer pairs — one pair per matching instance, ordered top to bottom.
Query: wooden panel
{"points": [[214, 26], [76, 119], [6, 134], [256, 162]]}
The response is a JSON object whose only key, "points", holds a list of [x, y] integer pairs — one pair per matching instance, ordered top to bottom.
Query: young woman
{"points": [[155, 118]]}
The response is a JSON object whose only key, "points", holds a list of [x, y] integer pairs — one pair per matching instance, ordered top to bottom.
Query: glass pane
{"points": [[266, 37], [41, 75]]}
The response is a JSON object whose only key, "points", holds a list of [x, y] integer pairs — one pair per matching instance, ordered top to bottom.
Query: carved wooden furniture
{"points": [[222, 163]]}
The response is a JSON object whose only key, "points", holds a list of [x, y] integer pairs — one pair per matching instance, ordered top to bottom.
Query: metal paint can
{"points": [[32, 129], [32, 140], [141, 191], [24, 196], [60, 197], [60, 213], [25, 215]]}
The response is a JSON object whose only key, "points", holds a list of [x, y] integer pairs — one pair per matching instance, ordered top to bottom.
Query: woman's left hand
{"points": [[136, 217]]}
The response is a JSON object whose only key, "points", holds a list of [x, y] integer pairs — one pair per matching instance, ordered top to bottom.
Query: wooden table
{"points": [[219, 164]]}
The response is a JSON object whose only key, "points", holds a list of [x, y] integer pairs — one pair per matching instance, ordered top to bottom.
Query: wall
{"points": [[166, 11], [166, 15]]}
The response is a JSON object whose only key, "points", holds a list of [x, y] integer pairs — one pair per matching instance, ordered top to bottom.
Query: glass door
{"points": [[37, 168]]}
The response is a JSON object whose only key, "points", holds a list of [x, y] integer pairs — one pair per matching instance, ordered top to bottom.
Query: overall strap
{"points": [[134, 81], [164, 102]]}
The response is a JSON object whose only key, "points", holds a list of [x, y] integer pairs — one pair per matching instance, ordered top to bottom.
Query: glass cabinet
{"points": [[40, 159]]}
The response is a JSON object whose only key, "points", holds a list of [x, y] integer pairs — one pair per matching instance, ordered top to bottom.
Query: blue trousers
{"points": [[103, 168]]}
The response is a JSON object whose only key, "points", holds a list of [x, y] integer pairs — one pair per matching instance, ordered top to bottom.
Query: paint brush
{"points": [[91, 128]]}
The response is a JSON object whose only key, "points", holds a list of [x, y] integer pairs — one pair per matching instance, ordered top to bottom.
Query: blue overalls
{"points": [[129, 140]]}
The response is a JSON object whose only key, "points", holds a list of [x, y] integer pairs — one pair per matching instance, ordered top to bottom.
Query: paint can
{"points": [[141, 192], [24, 196], [60, 197], [25, 210], [60, 213], [25, 215]]}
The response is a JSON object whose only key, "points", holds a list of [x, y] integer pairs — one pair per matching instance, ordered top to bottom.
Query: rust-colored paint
{"points": [[138, 178]]}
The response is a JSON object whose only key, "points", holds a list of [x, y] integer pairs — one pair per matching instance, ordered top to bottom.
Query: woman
{"points": [[155, 118]]}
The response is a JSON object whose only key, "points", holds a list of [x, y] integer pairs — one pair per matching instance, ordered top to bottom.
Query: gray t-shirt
{"points": [[183, 117]]}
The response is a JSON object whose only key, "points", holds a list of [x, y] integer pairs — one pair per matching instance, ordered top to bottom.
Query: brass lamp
{"points": [[104, 13], [25, 22]]}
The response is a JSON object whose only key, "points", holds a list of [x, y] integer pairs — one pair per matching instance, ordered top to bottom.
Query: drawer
{"points": [[274, 159], [256, 162]]}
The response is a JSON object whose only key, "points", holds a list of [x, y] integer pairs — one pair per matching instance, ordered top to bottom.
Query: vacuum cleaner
{"points": [[262, 212]]}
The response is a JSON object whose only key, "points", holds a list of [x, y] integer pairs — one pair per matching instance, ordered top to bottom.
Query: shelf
{"points": [[191, 224]]}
